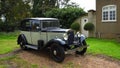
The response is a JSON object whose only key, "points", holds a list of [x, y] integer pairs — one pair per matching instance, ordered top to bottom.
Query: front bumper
{"points": [[70, 51]]}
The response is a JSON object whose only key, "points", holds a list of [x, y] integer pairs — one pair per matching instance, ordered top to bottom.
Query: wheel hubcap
{"points": [[21, 43], [55, 52]]}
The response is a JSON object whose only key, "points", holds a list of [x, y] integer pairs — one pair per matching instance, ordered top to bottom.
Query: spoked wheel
{"points": [[22, 44], [83, 50], [57, 52]]}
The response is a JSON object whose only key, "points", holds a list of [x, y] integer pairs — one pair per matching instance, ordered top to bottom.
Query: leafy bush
{"points": [[66, 15], [75, 26], [89, 26], [2, 27], [6, 27]]}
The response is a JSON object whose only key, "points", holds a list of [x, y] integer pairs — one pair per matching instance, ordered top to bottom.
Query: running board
{"points": [[32, 47]]}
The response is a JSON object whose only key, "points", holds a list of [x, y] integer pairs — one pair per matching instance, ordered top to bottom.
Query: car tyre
{"points": [[22, 44], [57, 52], [82, 52]]}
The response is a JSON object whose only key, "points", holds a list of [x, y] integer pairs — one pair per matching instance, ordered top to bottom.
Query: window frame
{"points": [[107, 10], [25, 25]]}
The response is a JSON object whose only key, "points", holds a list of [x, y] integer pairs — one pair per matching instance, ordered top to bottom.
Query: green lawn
{"points": [[8, 42], [104, 46], [7, 62]]}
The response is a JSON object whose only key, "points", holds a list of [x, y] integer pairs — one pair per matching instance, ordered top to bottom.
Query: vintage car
{"points": [[45, 33]]}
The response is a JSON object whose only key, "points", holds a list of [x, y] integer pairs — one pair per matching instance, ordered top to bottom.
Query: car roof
{"points": [[43, 18]]}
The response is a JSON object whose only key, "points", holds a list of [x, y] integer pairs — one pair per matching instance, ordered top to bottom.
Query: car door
{"points": [[26, 29], [35, 32], [44, 33]]}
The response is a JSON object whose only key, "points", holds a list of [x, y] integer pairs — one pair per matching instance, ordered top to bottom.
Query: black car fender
{"points": [[82, 37], [59, 41]]}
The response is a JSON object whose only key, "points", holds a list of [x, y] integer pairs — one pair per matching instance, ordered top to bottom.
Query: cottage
{"points": [[89, 17], [106, 19]]}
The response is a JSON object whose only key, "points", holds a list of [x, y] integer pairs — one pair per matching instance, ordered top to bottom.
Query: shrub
{"points": [[66, 15], [75, 26], [89, 26], [6, 27]]}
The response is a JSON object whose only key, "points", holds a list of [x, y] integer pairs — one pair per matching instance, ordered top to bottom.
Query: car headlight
{"points": [[78, 33], [65, 36]]}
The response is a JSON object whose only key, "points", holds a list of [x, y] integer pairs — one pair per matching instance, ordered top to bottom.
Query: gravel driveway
{"points": [[43, 60]]}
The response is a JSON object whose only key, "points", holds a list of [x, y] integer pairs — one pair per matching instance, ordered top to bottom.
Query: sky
{"points": [[86, 4]]}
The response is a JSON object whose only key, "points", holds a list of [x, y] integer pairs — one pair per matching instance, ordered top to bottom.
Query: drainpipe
{"points": [[99, 35]]}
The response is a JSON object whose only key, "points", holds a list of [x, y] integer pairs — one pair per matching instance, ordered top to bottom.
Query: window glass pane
{"points": [[109, 13], [105, 15], [112, 15], [50, 23], [27, 25], [35, 25]]}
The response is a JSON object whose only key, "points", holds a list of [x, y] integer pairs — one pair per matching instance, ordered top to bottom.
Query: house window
{"points": [[109, 13]]}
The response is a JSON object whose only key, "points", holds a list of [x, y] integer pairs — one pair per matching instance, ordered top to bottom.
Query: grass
{"points": [[8, 42], [104, 46], [9, 62]]}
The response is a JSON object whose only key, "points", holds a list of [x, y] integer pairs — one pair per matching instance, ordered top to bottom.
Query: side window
{"points": [[45, 24], [25, 25], [28, 25], [35, 25]]}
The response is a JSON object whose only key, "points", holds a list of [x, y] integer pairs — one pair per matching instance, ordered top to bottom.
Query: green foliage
{"points": [[40, 7], [37, 8], [15, 10], [66, 15], [75, 26], [89, 26], [8, 27], [108, 47]]}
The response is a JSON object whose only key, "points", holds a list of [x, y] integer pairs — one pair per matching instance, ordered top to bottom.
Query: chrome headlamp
{"points": [[78, 34], [65, 36]]}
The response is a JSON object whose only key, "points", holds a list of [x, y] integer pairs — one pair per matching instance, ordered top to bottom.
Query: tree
{"points": [[62, 3], [72, 4], [3, 7], [40, 7], [15, 10], [66, 15], [75, 26], [89, 26]]}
